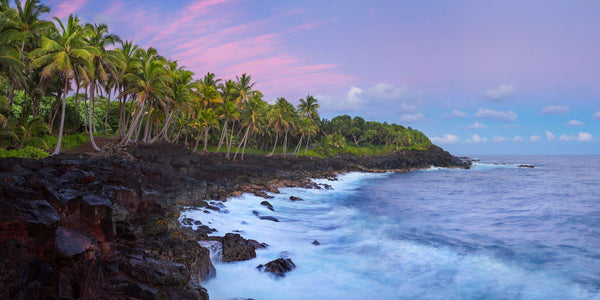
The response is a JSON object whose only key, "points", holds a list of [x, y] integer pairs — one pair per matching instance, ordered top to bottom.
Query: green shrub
{"points": [[27, 152]]}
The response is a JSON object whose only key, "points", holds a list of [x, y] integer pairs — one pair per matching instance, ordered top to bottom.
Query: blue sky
{"points": [[478, 77]]}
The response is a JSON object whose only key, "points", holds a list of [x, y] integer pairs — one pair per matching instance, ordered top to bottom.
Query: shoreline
{"points": [[70, 220]]}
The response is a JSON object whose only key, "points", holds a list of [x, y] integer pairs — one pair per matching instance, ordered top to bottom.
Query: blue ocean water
{"points": [[496, 231]]}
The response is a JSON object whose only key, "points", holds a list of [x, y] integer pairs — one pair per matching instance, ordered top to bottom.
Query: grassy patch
{"points": [[26, 152]]}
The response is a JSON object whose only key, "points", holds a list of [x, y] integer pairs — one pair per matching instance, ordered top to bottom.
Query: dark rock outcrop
{"points": [[268, 205], [237, 248], [278, 267]]}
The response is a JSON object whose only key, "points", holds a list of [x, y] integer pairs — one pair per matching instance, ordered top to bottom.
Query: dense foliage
{"points": [[79, 80]]}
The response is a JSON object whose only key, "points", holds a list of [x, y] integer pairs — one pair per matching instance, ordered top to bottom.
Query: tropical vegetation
{"points": [[65, 82]]}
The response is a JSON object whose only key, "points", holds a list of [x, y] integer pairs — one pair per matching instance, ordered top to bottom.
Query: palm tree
{"points": [[61, 56], [126, 62], [99, 66], [151, 83], [243, 88], [309, 109], [253, 110], [207, 119], [281, 119], [31, 128]]}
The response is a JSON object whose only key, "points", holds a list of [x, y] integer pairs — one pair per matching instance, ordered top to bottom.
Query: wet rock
{"points": [[526, 166], [327, 186], [294, 198], [268, 205], [268, 218], [187, 222], [316, 243], [257, 245], [237, 248], [278, 267]]}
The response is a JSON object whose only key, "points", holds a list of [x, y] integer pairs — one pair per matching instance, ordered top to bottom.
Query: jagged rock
{"points": [[526, 166], [39, 212], [71, 242], [237, 248], [278, 267]]}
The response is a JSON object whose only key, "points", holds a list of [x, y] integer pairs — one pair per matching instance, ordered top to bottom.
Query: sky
{"points": [[477, 77]]}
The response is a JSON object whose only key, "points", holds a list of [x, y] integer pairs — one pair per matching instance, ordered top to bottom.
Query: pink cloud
{"points": [[65, 8], [214, 36]]}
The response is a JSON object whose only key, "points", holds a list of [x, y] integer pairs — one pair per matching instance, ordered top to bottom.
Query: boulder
{"points": [[294, 198], [39, 212], [268, 218], [316, 243], [237, 248], [278, 267]]}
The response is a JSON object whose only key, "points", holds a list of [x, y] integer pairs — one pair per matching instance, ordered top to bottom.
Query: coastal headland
{"points": [[74, 226]]}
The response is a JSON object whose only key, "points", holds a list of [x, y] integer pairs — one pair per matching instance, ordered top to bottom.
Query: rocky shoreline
{"points": [[74, 226]]}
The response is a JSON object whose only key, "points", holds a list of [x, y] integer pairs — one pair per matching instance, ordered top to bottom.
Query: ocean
{"points": [[495, 231]]}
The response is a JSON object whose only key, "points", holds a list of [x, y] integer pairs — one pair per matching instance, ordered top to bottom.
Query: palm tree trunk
{"points": [[11, 94], [106, 114], [62, 118], [133, 125], [147, 128], [164, 129], [223, 134], [206, 138], [276, 138], [197, 139], [92, 141], [243, 141], [307, 141], [230, 142], [285, 143], [297, 150]]}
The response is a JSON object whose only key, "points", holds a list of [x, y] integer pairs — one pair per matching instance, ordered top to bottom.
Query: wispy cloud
{"points": [[65, 8], [504, 91], [555, 110], [455, 114], [597, 115], [506, 116], [411, 118], [574, 123], [477, 125], [550, 136], [581, 137], [535, 138], [446, 139], [476, 139], [499, 139], [517, 139]]}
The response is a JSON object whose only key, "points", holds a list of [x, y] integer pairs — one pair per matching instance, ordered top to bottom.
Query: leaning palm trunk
{"points": [[91, 115], [62, 118], [133, 126], [165, 128], [223, 136], [276, 138], [197, 139], [243, 141], [230, 142], [307, 142], [297, 150]]}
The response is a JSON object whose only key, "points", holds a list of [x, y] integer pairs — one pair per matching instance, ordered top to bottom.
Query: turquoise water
{"points": [[493, 232]]}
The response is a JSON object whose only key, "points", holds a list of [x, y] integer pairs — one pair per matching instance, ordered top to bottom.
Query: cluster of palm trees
{"points": [[157, 99]]}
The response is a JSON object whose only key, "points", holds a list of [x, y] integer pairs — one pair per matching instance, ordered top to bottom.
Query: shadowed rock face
{"points": [[75, 227], [80, 227]]}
